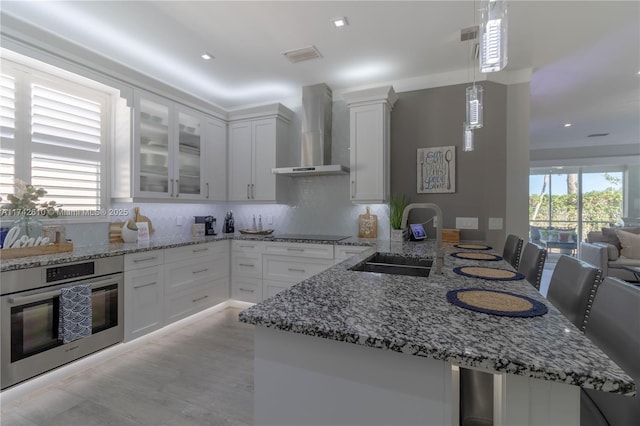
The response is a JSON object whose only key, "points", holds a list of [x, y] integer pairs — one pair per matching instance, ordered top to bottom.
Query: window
{"points": [[54, 134]]}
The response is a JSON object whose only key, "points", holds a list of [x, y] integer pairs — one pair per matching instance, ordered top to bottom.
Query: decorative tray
{"points": [[251, 232], [13, 253]]}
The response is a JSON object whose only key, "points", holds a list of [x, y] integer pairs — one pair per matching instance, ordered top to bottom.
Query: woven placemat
{"points": [[473, 246], [476, 256], [496, 274], [495, 302]]}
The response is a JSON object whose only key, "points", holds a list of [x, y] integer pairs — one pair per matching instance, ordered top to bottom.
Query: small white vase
{"points": [[397, 235]]}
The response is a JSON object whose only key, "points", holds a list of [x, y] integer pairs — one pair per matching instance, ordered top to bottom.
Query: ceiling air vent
{"points": [[470, 33], [304, 54], [597, 135]]}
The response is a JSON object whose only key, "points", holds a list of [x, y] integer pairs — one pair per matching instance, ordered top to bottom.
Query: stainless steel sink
{"points": [[385, 263]]}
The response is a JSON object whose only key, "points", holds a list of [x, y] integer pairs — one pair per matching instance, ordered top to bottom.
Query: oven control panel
{"points": [[78, 270]]}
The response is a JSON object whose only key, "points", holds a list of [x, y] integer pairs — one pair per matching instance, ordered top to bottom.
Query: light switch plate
{"points": [[179, 220], [466, 223], [495, 223]]}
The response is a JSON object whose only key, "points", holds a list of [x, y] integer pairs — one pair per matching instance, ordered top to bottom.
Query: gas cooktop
{"points": [[311, 237]]}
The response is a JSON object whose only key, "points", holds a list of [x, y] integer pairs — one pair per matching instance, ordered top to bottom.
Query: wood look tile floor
{"points": [[199, 374]]}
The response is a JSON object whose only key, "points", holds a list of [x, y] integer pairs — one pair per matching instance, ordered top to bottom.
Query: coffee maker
{"points": [[209, 224], [229, 226]]}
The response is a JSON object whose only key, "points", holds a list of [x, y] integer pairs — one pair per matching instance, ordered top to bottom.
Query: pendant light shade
{"points": [[493, 36], [474, 106], [467, 135]]}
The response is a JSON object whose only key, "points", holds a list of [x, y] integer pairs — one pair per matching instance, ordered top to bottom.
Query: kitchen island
{"points": [[349, 347]]}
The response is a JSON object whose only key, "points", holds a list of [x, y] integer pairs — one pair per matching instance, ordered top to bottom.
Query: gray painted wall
{"points": [[434, 117]]}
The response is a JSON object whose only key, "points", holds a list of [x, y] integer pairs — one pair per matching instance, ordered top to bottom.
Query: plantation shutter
{"points": [[7, 133], [66, 145]]}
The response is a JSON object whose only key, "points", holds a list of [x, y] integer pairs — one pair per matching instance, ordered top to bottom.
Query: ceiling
{"points": [[582, 57]]}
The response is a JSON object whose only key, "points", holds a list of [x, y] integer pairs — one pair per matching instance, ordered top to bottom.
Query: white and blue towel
{"points": [[75, 313]]}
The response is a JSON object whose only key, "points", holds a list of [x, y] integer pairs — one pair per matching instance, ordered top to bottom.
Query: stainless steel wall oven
{"points": [[30, 308]]}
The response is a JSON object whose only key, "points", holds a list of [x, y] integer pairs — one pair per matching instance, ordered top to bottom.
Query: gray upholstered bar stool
{"points": [[512, 248], [532, 263], [572, 289], [614, 326]]}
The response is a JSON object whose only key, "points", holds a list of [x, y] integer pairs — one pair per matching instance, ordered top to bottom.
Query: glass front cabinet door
{"points": [[168, 151]]}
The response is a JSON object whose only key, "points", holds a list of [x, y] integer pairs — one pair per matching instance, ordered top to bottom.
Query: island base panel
{"points": [[303, 380]]}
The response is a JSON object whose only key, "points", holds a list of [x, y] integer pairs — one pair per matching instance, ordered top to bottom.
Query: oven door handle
{"points": [[21, 300]]}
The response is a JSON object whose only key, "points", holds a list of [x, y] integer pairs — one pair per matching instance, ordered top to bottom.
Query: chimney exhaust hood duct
{"points": [[315, 151]]}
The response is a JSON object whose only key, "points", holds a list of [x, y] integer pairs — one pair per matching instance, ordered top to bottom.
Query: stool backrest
{"points": [[512, 248], [532, 263], [572, 289], [614, 326]]}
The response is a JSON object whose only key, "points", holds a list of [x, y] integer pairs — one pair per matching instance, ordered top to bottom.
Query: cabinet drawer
{"points": [[247, 246], [191, 251], [318, 251], [345, 252], [143, 259], [246, 265], [292, 269], [189, 273], [271, 288], [247, 289], [143, 301], [183, 304]]}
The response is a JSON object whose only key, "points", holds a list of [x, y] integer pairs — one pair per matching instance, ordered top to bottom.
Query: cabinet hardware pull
{"points": [[177, 187], [171, 188], [353, 188], [207, 189], [253, 191], [248, 194], [246, 245], [294, 249], [199, 250], [145, 259], [245, 264], [297, 270], [200, 271], [145, 285], [246, 289], [199, 299]]}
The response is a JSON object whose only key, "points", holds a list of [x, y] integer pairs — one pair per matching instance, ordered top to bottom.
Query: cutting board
{"points": [[140, 218], [368, 225], [115, 232]]}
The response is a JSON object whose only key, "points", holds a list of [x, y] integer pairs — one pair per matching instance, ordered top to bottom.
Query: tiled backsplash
{"points": [[318, 205]]}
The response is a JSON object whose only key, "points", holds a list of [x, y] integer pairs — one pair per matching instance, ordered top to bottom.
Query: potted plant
{"points": [[397, 204]]}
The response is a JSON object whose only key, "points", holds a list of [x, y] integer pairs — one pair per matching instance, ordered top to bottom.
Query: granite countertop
{"points": [[81, 253], [411, 315]]}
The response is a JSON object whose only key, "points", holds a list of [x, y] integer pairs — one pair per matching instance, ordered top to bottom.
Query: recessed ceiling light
{"points": [[340, 22], [206, 56], [567, 124]]}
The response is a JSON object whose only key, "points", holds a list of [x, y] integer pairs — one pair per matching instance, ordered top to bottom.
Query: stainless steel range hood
{"points": [[315, 151]]}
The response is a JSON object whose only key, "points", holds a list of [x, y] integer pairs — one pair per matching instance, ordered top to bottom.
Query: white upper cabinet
{"points": [[370, 134], [258, 139], [177, 153]]}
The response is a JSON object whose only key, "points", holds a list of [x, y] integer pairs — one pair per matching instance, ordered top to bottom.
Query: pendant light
{"points": [[493, 36], [474, 106], [467, 135]]}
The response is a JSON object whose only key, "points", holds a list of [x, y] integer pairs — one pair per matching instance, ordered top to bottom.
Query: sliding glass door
{"points": [[565, 203]]}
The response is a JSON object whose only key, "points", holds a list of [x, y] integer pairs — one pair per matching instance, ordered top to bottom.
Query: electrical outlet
{"points": [[269, 219], [179, 220], [435, 221], [466, 223], [495, 223]]}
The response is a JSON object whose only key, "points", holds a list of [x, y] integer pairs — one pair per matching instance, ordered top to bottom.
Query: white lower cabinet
{"points": [[345, 252], [246, 270], [197, 277], [143, 293]]}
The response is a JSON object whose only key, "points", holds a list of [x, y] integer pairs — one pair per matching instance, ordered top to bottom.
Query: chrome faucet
{"points": [[438, 211]]}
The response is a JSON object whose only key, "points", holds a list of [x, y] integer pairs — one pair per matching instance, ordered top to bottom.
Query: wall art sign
{"points": [[436, 170]]}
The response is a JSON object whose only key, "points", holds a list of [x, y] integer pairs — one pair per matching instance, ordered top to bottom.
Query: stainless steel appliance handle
{"points": [[21, 300]]}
